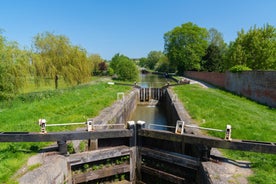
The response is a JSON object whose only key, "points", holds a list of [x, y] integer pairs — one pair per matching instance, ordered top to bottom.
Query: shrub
{"points": [[239, 68]]}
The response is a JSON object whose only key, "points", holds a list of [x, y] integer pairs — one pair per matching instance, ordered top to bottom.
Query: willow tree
{"points": [[56, 58], [14, 68]]}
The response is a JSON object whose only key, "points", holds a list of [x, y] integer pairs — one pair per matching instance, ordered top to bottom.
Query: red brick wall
{"points": [[215, 78], [259, 86]]}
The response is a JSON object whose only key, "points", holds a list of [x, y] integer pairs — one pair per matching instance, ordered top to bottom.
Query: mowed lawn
{"points": [[74, 104], [215, 108]]}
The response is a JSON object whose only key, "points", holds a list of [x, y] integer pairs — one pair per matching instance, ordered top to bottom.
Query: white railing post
{"points": [[42, 124], [179, 129], [228, 133]]}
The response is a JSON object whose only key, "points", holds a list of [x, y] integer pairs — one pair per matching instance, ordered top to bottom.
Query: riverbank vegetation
{"points": [[215, 108], [21, 114]]}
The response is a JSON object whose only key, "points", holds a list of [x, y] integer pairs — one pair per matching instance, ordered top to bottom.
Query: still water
{"points": [[153, 81], [152, 114]]}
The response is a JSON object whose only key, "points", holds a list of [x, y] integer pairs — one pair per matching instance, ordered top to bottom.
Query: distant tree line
{"points": [[186, 47], [190, 47]]}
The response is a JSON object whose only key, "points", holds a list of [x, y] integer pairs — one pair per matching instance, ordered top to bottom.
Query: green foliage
{"points": [[185, 46], [255, 49], [55, 56], [153, 58], [214, 58], [95, 61], [14, 68], [124, 68], [239, 68], [249, 120], [82, 146], [70, 148], [85, 167]]}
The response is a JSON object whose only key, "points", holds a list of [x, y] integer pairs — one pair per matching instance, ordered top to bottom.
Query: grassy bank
{"points": [[74, 104], [249, 121]]}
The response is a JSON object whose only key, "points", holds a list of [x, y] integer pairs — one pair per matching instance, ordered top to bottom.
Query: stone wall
{"points": [[259, 86], [120, 111], [55, 169]]}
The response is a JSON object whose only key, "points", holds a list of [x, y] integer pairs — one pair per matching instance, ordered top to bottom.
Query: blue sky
{"points": [[130, 27]]}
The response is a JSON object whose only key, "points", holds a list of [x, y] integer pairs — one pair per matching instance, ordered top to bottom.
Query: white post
{"points": [[42, 124], [89, 126], [179, 129], [228, 133]]}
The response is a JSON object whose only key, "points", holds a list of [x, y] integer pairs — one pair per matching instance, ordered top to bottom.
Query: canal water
{"points": [[152, 113]]}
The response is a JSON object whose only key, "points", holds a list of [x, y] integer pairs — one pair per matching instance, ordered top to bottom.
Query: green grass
{"points": [[74, 104], [249, 120]]}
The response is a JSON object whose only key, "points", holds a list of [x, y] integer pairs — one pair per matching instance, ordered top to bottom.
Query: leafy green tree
{"points": [[185, 45], [255, 49], [55, 57], [153, 58], [213, 60], [95, 61], [142, 62], [163, 65], [14, 68], [124, 68]]}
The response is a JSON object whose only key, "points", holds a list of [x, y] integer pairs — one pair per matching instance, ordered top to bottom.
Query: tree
{"points": [[185, 46], [255, 49], [55, 56], [153, 58], [213, 60], [95, 61], [142, 62], [163, 65], [14, 68], [124, 68]]}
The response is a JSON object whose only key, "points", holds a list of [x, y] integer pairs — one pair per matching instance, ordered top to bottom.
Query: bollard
{"points": [[42, 124], [179, 129], [228, 133], [62, 147]]}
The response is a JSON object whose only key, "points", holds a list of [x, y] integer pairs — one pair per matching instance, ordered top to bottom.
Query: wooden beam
{"points": [[63, 136], [212, 142], [92, 156], [173, 158], [102, 173], [163, 175]]}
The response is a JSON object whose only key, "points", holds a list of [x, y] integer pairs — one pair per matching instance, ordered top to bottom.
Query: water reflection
{"points": [[153, 81], [151, 115]]}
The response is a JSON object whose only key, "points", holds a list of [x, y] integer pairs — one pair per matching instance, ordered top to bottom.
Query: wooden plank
{"points": [[63, 136], [212, 142], [92, 156], [173, 158], [102, 173], [163, 175]]}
